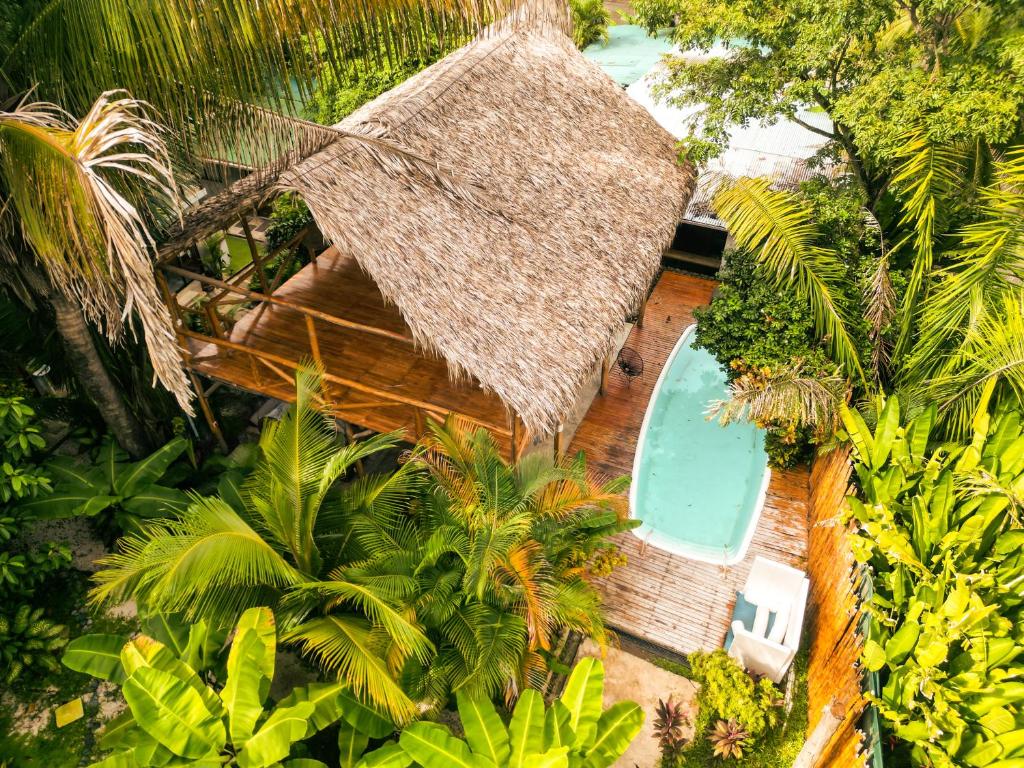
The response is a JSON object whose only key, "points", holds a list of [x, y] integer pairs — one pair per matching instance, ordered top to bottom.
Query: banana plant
{"points": [[939, 526], [175, 718], [573, 731]]}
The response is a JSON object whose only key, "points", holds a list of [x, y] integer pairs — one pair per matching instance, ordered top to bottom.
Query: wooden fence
{"points": [[834, 672]]}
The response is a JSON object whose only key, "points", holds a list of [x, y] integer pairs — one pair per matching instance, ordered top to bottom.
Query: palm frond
{"points": [[234, 49], [927, 178], [69, 182], [778, 228], [988, 264], [879, 300], [993, 349], [785, 395], [208, 564], [338, 593], [347, 647]]}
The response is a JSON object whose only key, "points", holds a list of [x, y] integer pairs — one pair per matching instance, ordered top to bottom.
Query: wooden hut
{"points": [[483, 262]]}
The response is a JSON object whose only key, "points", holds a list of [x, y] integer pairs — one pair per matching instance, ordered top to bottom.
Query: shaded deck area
{"points": [[376, 378], [670, 601]]}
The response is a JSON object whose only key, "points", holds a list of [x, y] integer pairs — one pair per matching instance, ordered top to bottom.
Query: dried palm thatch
{"points": [[563, 194]]}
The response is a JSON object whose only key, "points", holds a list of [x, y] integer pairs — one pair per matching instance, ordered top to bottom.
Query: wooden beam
{"points": [[277, 301]]}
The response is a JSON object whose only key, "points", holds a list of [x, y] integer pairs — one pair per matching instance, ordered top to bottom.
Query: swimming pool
{"points": [[698, 488]]}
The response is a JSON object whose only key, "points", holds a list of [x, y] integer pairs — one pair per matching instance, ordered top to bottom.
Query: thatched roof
{"points": [[574, 192]]}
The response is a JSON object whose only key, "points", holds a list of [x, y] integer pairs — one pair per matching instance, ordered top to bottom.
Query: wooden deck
{"points": [[391, 385], [676, 603]]}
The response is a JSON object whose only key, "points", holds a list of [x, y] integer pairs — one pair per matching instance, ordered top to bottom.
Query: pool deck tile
{"points": [[671, 601]]}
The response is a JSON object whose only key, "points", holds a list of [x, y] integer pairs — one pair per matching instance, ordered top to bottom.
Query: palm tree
{"points": [[82, 203], [959, 321], [279, 535], [505, 550]]}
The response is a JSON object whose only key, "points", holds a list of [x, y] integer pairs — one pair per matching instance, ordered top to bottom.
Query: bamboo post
{"points": [[253, 252], [642, 312], [178, 322], [215, 324], [314, 344], [605, 368], [204, 406], [350, 438], [515, 438], [558, 442]]}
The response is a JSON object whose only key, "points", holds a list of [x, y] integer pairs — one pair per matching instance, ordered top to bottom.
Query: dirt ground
{"points": [[628, 677]]}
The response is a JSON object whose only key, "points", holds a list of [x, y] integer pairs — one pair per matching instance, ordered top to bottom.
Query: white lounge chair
{"points": [[779, 594]]}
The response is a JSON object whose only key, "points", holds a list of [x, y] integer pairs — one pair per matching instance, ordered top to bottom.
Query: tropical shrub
{"points": [[589, 22], [289, 216], [759, 334], [19, 440], [127, 491], [939, 524], [279, 531], [28, 642], [729, 693], [174, 716], [668, 730], [572, 731]]}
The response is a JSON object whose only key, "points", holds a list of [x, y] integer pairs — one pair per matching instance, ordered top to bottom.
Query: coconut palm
{"points": [[81, 202], [959, 321], [280, 533], [505, 555]]}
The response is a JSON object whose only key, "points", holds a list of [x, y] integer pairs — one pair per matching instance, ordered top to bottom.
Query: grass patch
{"points": [[238, 249]]}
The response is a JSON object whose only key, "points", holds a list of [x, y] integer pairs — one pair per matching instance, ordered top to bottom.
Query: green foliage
{"points": [[652, 15], [589, 22], [876, 68], [341, 92], [289, 216], [754, 329], [19, 440], [129, 491], [939, 525], [452, 573], [28, 642], [729, 693], [173, 715], [572, 731], [776, 748]]}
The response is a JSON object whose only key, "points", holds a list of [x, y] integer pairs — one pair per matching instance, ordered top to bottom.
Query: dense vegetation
{"points": [[940, 526]]}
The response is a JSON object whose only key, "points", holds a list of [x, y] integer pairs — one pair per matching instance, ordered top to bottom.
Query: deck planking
{"points": [[334, 283], [670, 601]]}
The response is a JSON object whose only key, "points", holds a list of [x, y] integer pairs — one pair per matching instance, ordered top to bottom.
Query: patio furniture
{"points": [[768, 619]]}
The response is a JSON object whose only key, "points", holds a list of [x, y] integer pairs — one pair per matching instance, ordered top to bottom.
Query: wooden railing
{"points": [[203, 321], [834, 677]]}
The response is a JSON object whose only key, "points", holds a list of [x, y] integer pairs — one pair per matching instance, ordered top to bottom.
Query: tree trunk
{"points": [[93, 376]]}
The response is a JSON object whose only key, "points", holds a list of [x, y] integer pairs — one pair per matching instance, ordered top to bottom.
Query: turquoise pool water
{"points": [[697, 487]]}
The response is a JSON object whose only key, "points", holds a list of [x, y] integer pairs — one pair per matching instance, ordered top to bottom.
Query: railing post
{"points": [[253, 253], [314, 344]]}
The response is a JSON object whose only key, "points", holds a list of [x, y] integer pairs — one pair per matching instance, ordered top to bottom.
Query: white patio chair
{"points": [[776, 589]]}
